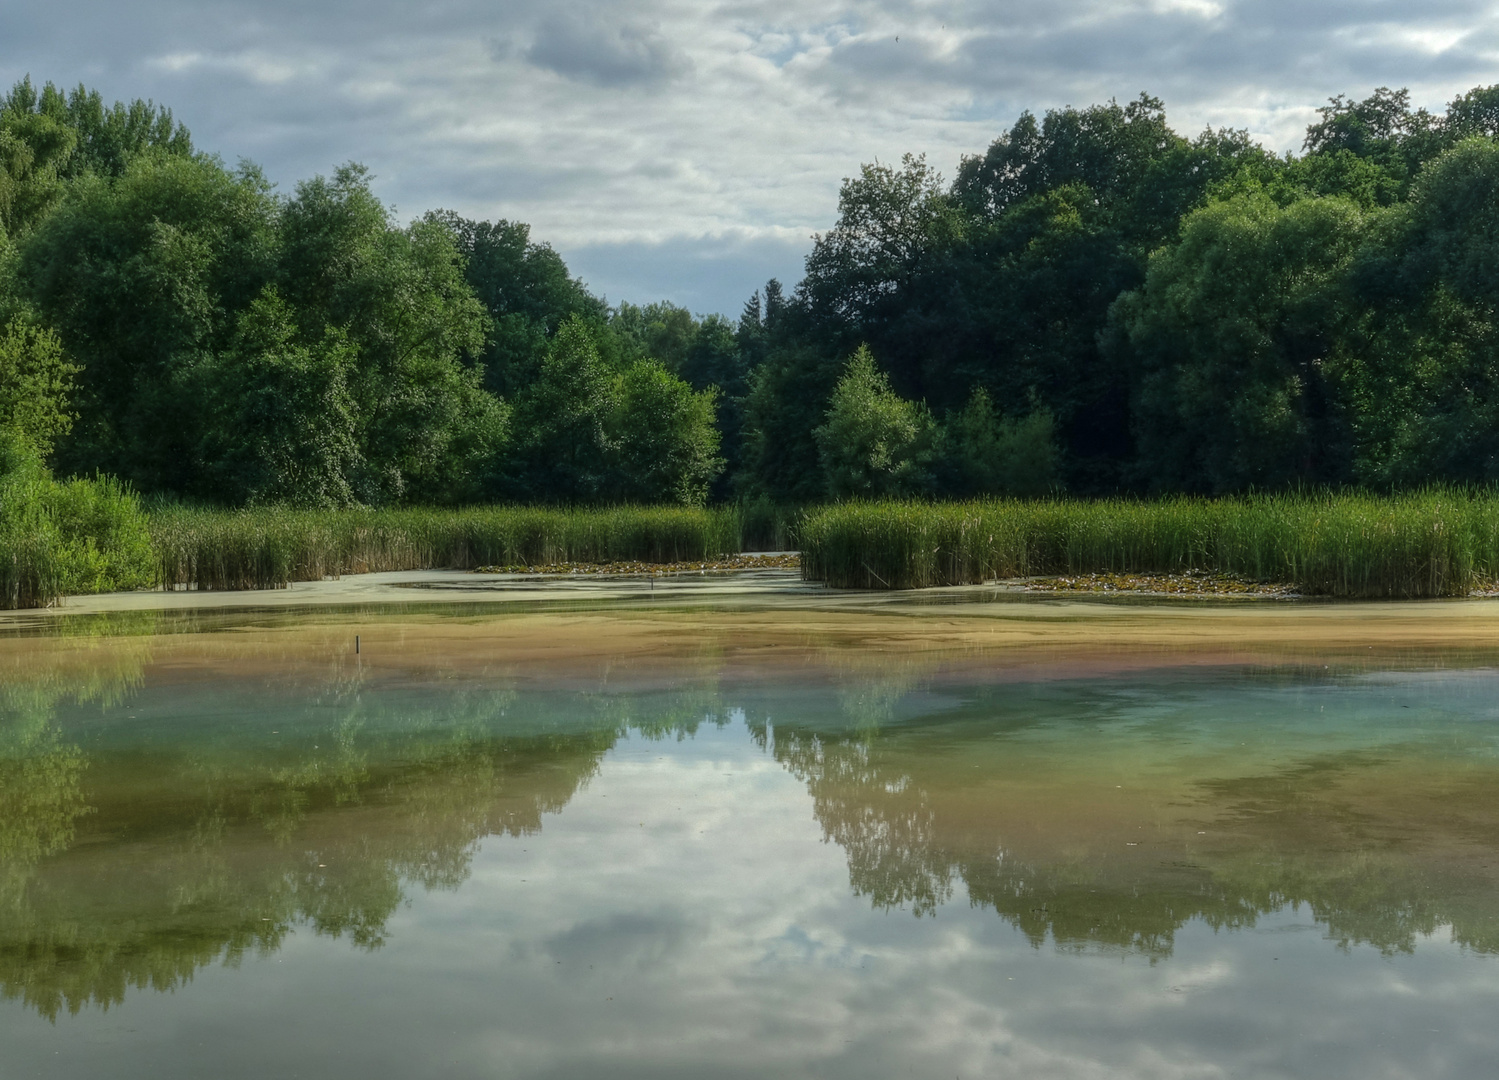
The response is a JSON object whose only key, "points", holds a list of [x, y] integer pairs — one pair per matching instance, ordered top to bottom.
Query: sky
{"points": [[688, 151]]}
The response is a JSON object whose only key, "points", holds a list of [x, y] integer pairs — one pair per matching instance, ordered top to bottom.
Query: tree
{"points": [[1382, 128], [48, 137], [890, 223], [141, 276], [526, 289], [400, 298], [1230, 339], [1421, 364], [36, 384], [786, 401], [562, 424], [283, 426], [666, 442], [873, 442], [982, 453]]}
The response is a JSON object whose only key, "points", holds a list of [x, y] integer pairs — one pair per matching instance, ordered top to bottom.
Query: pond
{"points": [[656, 844]]}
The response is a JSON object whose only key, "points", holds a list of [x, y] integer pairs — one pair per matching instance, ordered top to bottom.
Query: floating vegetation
{"points": [[1428, 543], [775, 561], [1191, 583]]}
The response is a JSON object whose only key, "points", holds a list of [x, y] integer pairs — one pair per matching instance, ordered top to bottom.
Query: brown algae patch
{"points": [[816, 635]]}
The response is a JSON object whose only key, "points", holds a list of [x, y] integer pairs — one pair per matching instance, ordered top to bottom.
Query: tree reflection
{"points": [[210, 847], [1382, 847], [131, 857]]}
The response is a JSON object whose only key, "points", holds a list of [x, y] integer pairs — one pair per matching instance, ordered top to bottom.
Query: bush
{"points": [[81, 536]]}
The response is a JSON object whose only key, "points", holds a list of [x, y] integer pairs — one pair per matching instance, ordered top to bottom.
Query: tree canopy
{"points": [[1094, 303]]}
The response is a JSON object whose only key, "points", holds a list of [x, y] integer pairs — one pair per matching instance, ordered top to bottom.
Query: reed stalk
{"points": [[1424, 544], [270, 547]]}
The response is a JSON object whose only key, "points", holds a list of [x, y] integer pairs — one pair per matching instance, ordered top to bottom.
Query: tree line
{"points": [[1095, 304]]}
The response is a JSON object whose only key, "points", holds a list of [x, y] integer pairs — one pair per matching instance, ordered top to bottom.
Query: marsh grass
{"points": [[91, 536], [1424, 544], [270, 548]]}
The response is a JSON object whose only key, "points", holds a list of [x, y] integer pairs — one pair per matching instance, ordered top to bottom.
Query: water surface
{"points": [[240, 849]]}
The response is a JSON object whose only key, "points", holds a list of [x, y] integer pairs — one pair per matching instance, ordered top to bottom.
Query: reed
{"points": [[1424, 544], [270, 547]]}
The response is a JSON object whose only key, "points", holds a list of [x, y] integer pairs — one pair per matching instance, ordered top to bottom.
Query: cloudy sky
{"points": [[688, 149]]}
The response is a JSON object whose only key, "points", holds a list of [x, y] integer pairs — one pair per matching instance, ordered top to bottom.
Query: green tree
{"points": [[1382, 127], [48, 137], [891, 223], [140, 276], [526, 289], [400, 299], [1230, 339], [1421, 365], [36, 383], [785, 403], [283, 427], [873, 442], [667, 444], [563, 445], [983, 453]]}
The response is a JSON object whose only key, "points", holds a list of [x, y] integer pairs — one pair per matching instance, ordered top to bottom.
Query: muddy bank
{"points": [[762, 624]]}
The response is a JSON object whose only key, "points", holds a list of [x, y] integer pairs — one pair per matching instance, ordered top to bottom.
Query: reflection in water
{"points": [[149, 830], [210, 844]]}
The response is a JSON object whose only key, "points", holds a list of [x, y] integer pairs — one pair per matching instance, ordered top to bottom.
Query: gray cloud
{"points": [[604, 55], [683, 148]]}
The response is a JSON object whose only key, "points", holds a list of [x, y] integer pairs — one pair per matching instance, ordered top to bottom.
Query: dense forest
{"points": [[1095, 304]]}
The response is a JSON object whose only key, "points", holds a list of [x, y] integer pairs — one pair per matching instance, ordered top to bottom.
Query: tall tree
{"points": [[140, 276], [1230, 339]]}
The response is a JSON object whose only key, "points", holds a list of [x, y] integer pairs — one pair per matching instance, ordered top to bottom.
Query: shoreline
{"points": [[777, 586]]}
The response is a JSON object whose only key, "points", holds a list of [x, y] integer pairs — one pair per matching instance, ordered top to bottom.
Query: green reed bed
{"points": [[1432, 543], [269, 548]]}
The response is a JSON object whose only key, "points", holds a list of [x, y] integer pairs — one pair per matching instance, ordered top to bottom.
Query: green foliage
{"points": [[1382, 128], [48, 137], [890, 223], [138, 275], [526, 289], [399, 298], [1150, 312], [1230, 335], [1421, 363], [36, 383], [786, 402], [283, 427], [589, 432], [873, 442], [563, 446], [668, 446], [983, 453], [80, 536], [1431, 543]]}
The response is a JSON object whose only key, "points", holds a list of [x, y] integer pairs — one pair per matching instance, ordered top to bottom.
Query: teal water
{"points": [[210, 868]]}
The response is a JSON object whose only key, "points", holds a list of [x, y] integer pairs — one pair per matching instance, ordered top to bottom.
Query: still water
{"points": [[266, 856]]}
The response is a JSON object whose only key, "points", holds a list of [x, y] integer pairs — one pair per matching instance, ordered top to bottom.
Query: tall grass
{"points": [[1430, 543], [269, 548]]}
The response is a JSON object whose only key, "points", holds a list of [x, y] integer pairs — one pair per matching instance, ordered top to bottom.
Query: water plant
{"points": [[1437, 542], [271, 547]]}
